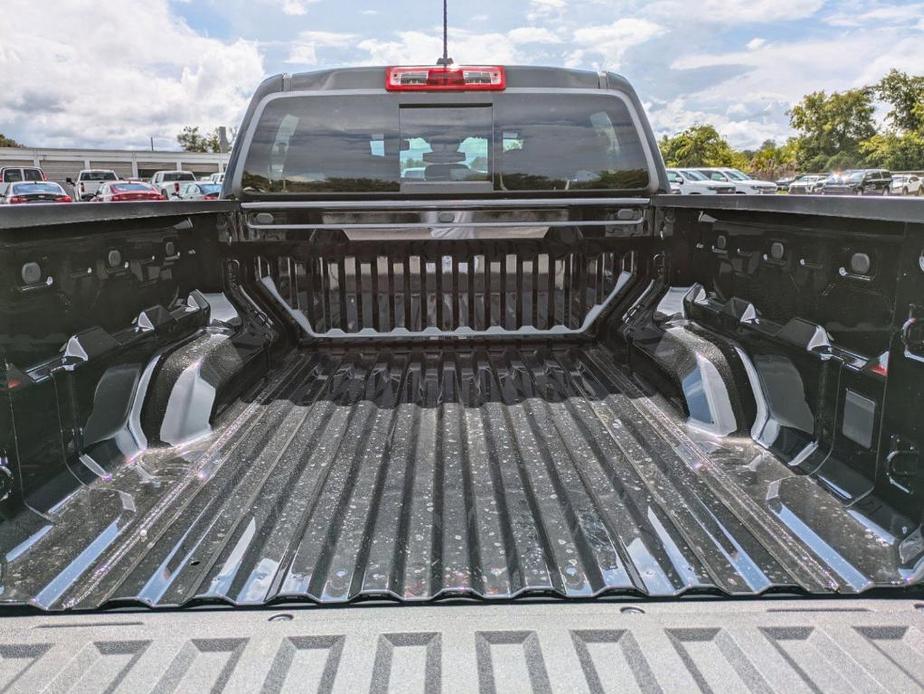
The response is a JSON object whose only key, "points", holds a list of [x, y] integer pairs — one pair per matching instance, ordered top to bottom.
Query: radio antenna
{"points": [[445, 61]]}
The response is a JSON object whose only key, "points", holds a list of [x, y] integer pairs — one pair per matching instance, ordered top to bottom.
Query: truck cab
{"points": [[88, 182], [168, 182]]}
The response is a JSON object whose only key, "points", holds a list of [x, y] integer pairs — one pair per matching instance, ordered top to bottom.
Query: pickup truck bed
{"points": [[520, 374], [412, 475]]}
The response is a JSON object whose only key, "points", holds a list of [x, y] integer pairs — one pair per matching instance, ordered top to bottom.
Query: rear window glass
{"points": [[518, 142], [11, 175], [32, 175], [98, 176], [179, 176], [131, 187], [32, 188], [209, 188]]}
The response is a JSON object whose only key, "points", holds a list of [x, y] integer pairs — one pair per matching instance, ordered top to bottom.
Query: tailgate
{"points": [[780, 646]]}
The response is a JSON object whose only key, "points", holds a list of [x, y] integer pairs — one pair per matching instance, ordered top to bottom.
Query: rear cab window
{"points": [[507, 142], [98, 176], [178, 176]]}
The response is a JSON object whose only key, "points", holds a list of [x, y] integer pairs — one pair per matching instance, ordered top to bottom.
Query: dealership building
{"points": [[60, 164]]}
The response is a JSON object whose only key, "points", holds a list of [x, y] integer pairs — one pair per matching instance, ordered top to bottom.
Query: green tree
{"points": [[904, 93], [831, 127], [191, 140], [8, 141], [700, 145], [898, 152], [772, 161]]}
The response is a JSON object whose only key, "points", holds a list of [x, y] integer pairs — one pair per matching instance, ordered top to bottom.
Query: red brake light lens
{"points": [[444, 79], [63, 198], [18, 199]]}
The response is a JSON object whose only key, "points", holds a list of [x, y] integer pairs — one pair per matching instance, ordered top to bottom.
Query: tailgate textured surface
{"points": [[414, 476], [805, 646]]}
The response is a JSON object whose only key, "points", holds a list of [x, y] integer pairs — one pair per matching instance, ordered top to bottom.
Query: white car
{"points": [[88, 182], [168, 182], [686, 182], [744, 184], [809, 184], [907, 184], [198, 190]]}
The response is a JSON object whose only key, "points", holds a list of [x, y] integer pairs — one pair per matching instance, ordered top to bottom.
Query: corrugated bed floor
{"points": [[413, 476]]}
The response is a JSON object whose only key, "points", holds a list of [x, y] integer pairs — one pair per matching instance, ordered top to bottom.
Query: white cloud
{"points": [[547, 5], [295, 8], [543, 9], [735, 11], [909, 14], [532, 35], [327, 38], [611, 41], [756, 43], [304, 48], [418, 48], [303, 54], [129, 76], [748, 103], [745, 124]]}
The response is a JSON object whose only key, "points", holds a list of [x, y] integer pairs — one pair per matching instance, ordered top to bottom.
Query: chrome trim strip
{"points": [[443, 204], [438, 225]]}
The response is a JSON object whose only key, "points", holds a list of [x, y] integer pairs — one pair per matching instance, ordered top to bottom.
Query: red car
{"points": [[123, 191]]}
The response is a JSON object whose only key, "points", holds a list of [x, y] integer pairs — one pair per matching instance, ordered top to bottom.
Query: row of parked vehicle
{"points": [[717, 181], [855, 182], [20, 185]]}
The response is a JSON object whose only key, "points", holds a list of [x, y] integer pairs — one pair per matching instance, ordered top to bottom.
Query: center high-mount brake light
{"points": [[453, 78]]}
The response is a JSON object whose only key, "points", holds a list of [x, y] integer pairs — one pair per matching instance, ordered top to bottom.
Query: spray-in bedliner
{"points": [[415, 475]]}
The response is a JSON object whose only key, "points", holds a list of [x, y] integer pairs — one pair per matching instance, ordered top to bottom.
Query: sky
{"points": [[85, 73]]}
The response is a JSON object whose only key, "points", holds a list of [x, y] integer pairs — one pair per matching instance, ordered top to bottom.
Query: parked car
{"points": [[12, 174], [89, 180], [168, 182], [785, 182], [859, 182], [694, 183], [743, 183], [808, 184], [907, 184], [197, 190], [123, 191], [23, 192]]}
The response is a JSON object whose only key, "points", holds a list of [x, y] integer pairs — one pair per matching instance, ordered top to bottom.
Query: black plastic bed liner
{"points": [[412, 476]]}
